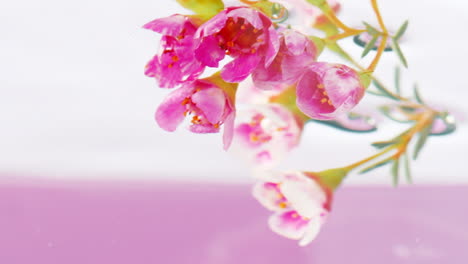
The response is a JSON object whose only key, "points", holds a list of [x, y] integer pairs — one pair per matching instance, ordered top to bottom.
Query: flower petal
{"points": [[171, 25], [208, 52], [238, 69], [211, 102], [170, 112], [228, 129], [268, 194], [305, 196], [288, 224], [311, 232]]}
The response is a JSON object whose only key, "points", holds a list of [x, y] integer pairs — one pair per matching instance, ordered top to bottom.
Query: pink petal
{"points": [[250, 15], [171, 25], [212, 26], [273, 46], [208, 52], [238, 69], [309, 96], [211, 102], [170, 112], [202, 129], [228, 129], [269, 195], [305, 195], [288, 224]]}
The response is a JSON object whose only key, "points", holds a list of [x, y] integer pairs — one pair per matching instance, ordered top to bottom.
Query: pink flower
{"points": [[241, 32], [296, 52], [175, 62], [327, 90], [208, 104], [263, 135], [300, 204]]}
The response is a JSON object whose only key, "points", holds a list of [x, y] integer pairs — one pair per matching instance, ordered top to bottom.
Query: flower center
{"points": [[239, 37], [198, 117]]}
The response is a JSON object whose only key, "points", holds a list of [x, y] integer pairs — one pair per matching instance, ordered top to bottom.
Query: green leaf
{"points": [[205, 8], [370, 29], [401, 31], [369, 45], [397, 49], [397, 80], [384, 91], [374, 93], [417, 95], [421, 140], [382, 144], [376, 165], [407, 169], [395, 174]]}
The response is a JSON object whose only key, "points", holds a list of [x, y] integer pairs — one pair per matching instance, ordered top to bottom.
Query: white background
{"points": [[74, 101]]}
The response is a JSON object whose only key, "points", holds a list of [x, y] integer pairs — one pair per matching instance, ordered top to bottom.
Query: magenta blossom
{"points": [[242, 33], [296, 52], [175, 62], [327, 90], [208, 104], [265, 134], [300, 204]]}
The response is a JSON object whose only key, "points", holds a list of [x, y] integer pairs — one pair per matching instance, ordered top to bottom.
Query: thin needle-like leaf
{"points": [[370, 29], [401, 31], [369, 45], [399, 53], [397, 80], [383, 90], [417, 95], [421, 140], [382, 144], [376, 165], [395, 167], [409, 178]]}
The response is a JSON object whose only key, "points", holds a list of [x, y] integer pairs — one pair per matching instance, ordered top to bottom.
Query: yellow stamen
{"points": [[323, 100]]}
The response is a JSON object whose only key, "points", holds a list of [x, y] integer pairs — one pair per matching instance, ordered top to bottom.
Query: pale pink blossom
{"points": [[243, 33], [296, 52], [175, 63], [327, 90], [208, 105], [264, 134], [300, 204]]}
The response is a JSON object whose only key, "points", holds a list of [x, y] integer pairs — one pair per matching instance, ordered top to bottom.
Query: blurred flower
{"points": [[243, 33], [296, 52], [175, 62], [327, 90], [208, 104], [265, 134], [300, 204]]}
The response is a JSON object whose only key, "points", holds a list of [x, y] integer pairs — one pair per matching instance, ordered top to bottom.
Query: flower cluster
{"points": [[279, 63], [268, 83]]}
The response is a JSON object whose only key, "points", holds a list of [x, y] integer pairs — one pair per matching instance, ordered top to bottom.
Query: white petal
{"points": [[313, 228]]}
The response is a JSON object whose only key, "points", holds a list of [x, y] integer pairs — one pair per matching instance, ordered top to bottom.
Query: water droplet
{"points": [[279, 13], [443, 124]]}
